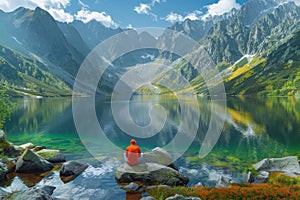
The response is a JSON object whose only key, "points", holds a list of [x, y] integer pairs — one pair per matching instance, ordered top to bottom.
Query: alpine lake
{"points": [[254, 128]]}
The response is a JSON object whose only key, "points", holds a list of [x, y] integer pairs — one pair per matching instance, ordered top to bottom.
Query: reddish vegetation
{"points": [[241, 191]]}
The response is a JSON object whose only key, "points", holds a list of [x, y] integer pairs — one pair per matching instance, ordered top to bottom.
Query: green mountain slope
{"points": [[274, 73], [26, 76]]}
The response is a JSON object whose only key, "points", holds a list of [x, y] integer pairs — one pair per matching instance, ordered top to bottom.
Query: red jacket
{"points": [[133, 153]]}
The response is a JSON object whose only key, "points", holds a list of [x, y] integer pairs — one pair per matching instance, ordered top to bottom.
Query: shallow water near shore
{"points": [[255, 128]]}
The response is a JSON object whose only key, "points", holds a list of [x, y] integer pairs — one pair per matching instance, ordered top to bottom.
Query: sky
{"points": [[127, 13]]}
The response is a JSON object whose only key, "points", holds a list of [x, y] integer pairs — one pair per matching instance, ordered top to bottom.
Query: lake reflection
{"points": [[254, 128]]}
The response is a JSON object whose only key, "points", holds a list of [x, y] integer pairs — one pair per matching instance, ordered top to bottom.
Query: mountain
{"points": [[36, 32], [94, 32], [74, 38], [230, 39], [243, 46], [255, 49], [275, 73], [28, 76]]}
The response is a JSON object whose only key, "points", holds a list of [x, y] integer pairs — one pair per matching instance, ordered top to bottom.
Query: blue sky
{"points": [[127, 13]]}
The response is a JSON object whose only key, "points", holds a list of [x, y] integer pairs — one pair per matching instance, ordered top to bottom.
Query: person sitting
{"points": [[133, 153]]}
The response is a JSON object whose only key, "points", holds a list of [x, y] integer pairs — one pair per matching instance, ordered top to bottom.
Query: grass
{"points": [[235, 191]]}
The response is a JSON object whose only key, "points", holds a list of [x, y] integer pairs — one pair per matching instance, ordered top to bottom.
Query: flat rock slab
{"points": [[51, 155], [288, 164], [150, 174]]}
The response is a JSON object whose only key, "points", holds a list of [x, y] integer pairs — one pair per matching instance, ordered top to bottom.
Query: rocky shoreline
{"points": [[30, 159], [156, 171]]}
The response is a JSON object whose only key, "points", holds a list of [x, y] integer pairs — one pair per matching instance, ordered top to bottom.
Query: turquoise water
{"points": [[254, 128]]}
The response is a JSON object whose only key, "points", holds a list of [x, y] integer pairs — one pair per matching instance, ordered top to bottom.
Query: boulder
{"points": [[2, 136], [4, 145], [27, 146], [13, 150], [52, 155], [159, 156], [30, 162], [288, 164], [70, 170], [150, 174], [263, 176], [223, 182], [131, 187], [44, 193], [181, 197]]}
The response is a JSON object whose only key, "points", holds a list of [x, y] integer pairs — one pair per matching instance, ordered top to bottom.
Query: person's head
{"points": [[133, 142]]}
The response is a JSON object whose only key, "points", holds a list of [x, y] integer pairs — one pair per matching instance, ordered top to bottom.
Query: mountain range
{"points": [[256, 50]]}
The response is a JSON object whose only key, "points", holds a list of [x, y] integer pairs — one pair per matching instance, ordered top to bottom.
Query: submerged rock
{"points": [[52, 155], [30, 162], [288, 164], [70, 170], [150, 174], [43, 193], [181, 197]]}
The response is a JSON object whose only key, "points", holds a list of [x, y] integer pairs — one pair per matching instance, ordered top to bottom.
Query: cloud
{"points": [[46, 4], [83, 5], [54, 7], [221, 7], [145, 9], [60, 15], [195, 15], [86, 16], [174, 17], [130, 26]]}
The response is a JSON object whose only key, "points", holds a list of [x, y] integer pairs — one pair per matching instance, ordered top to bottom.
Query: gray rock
{"points": [[2, 136], [27, 146], [38, 148], [13, 150], [52, 155], [158, 155], [30, 162], [288, 164], [71, 169], [3, 171], [150, 174], [263, 176], [250, 177], [223, 182], [199, 184], [131, 187], [3, 193], [43, 193], [181, 197], [148, 198]]}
